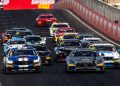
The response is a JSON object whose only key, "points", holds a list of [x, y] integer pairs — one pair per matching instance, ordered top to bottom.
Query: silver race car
{"points": [[84, 59]]}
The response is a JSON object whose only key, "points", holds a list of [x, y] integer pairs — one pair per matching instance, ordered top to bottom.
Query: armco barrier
{"points": [[98, 21]]}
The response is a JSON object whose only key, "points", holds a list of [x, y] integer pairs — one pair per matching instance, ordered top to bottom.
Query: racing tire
{"points": [[101, 69], [39, 70], [69, 70]]}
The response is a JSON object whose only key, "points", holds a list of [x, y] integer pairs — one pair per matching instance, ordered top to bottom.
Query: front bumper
{"points": [[112, 63], [23, 68], [86, 68]]}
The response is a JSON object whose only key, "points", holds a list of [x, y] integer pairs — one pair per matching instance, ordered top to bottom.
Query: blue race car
{"points": [[22, 60]]}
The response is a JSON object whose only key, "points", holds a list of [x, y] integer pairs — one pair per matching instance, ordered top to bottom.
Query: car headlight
{"points": [[42, 42], [36, 61], [9, 62], [71, 62]]}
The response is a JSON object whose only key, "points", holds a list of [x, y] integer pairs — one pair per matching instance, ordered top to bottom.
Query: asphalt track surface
{"points": [[55, 74]]}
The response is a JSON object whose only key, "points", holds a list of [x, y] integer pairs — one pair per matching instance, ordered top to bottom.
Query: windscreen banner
{"points": [[27, 4]]}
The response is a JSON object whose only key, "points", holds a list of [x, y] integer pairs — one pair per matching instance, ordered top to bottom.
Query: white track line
{"points": [[90, 27], [0, 84]]}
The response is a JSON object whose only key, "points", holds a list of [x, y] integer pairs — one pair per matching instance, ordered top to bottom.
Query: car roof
{"points": [[46, 14], [57, 23], [65, 28], [24, 31], [71, 33], [85, 34], [32, 36], [91, 38], [68, 40], [102, 44], [83, 49]]}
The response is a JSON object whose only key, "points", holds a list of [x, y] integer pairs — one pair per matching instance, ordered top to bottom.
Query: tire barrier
{"points": [[101, 23]]}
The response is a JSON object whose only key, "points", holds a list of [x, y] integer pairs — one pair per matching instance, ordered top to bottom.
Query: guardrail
{"points": [[95, 19]]}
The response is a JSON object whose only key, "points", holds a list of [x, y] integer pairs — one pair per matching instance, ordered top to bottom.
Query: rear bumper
{"points": [[43, 23]]}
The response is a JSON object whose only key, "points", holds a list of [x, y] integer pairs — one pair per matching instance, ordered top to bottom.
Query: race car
{"points": [[45, 19], [57, 25], [11, 32], [61, 32], [22, 33], [71, 35], [83, 35], [5, 37], [35, 40], [86, 41], [14, 43], [64, 47], [44, 53], [109, 53], [84, 59], [22, 60]]}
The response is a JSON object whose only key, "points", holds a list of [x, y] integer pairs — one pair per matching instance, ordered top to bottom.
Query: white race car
{"points": [[57, 25], [86, 41], [14, 43], [109, 53]]}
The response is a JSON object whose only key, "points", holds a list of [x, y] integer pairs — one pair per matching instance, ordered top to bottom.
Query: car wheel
{"points": [[100, 69]]}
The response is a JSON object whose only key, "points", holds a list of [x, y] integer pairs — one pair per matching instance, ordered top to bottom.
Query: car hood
{"points": [[16, 46], [69, 47], [106, 53], [23, 57], [83, 59]]}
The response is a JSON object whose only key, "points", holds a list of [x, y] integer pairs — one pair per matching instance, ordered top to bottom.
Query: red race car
{"points": [[45, 19], [61, 31]]}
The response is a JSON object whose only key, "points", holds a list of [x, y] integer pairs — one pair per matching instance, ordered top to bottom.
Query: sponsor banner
{"points": [[27, 4], [45, 6]]}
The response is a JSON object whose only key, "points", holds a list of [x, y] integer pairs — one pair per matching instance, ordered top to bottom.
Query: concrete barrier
{"points": [[98, 21]]}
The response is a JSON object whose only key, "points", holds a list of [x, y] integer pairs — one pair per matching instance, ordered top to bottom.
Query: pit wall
{"points": [[101, 23]]}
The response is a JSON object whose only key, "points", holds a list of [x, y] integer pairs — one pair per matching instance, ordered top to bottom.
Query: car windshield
{"points": [[46, 16], [60, 25], [65, 31], [11, 32], [22, 34], [8, 35], [69, 37], [81, 37], [33, 39], [93, 40], [16, 42], [71, 43], [40, 48], [105, 48], [23, 52], [84, 54]]}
